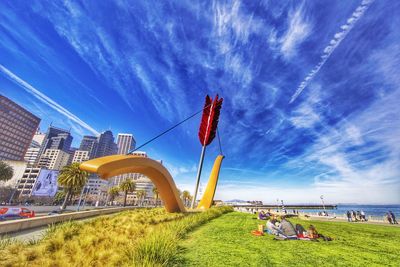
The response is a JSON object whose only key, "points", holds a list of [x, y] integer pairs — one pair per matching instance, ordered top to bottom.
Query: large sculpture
{"points": [[109, 166], [208, 196]]}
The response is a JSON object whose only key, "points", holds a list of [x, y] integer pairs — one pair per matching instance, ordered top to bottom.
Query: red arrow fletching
{"points": [[209, 120]]}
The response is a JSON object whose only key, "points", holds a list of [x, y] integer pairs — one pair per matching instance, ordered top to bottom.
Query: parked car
{"points": [[16, 213]]}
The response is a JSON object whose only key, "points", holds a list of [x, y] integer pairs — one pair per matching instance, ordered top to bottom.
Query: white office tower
{"points": [[125, 143], [33, 152], [80, 156], [53, 159], [27, 181], [97, 189]]}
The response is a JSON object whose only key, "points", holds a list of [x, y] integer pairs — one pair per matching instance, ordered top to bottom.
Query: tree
{"points": [[6, 171], [72, 179], [127, 186], [113, 192], [155, 193], [141, 194], [59, 197], [186, 197]]}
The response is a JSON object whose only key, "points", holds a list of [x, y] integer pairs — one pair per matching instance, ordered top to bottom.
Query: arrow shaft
{"points": [[203, 151]]}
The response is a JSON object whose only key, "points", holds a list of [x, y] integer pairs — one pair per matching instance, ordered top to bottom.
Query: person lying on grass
{"points": [[286, 230]]}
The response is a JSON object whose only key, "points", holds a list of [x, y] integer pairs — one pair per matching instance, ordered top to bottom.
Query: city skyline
{"points": [[310, 89]]}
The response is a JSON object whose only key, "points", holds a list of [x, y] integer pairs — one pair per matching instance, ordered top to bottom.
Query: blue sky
{"points": [[311, 89]]}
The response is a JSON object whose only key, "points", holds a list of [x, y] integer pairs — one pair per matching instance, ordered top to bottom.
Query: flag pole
{"points": [[203, 151]]}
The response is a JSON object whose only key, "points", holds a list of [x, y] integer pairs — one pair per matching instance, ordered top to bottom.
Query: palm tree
{"points": [[6, 171], [72, 179], [127, 186], [113, 192], [141, 194], [156, 195], [186, 197]]}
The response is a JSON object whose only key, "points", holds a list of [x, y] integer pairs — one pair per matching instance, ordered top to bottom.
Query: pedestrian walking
{"points": [[362, 214], [348, 216], [354, 216], [393, 217], [389, 218]]}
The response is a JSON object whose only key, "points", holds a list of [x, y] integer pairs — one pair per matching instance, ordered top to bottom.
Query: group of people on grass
{"points": [[264, 215], [355, 216], [391, 218], [284, 230]]}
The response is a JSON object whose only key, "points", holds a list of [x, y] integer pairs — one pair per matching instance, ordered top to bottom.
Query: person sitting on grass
{"points": [[262, 215], [271, 226], [287, 229], [300, 231]]}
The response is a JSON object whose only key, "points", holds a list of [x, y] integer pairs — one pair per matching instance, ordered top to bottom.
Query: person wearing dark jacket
{"points": [[348, 216], [393, 217]]}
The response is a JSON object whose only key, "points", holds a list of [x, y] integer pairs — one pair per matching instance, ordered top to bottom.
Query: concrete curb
{"points": [[24, 224]]}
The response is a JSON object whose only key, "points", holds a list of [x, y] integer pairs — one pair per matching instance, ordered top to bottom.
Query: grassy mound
{"points": [[130, 238], [227, 241]]}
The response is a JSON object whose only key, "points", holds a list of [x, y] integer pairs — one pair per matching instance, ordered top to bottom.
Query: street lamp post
{"points": [[80, 198], [323, 204], [277, 205]]}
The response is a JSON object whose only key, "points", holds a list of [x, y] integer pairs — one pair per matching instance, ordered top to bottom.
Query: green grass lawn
{"points": [[227, 241]]}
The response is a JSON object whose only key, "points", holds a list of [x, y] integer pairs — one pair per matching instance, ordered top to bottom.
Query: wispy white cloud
{"points": [[230, 20], [299, 29], [333, 44], [45, 99]]}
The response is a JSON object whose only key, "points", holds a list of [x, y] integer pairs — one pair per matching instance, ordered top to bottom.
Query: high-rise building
{"points": [[17, 127], [62, 141], [59, 143], [89, 143], [125, 143], [106, 145], [71, 153], [32, 154], [80, 156], [53, 159], [27, 181], [97, 188]]}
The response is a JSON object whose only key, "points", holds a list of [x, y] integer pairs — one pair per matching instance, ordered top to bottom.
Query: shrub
{"points": [[159, 248]]}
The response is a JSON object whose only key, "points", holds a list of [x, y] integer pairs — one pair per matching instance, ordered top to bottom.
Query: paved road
{"points": [[46, 209], [36, 233]]}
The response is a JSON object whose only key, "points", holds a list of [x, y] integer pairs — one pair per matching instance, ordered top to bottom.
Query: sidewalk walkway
{"points": [[338, 219]]}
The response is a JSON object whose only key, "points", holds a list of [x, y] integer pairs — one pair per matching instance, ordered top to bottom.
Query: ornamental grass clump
{"points": [[100, 241], [159, 247]]}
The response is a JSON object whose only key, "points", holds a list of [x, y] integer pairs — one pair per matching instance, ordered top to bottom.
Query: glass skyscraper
{"points": [[89, 143], [106, 145]]}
